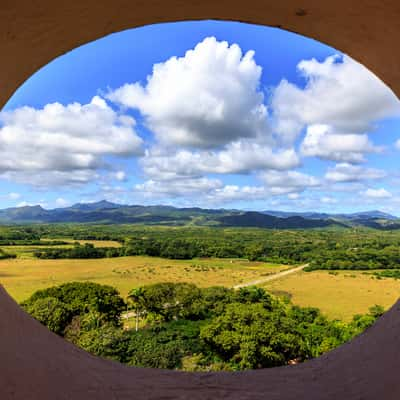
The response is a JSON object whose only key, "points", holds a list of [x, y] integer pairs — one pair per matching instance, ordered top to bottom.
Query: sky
{"points": [[210, 114]]}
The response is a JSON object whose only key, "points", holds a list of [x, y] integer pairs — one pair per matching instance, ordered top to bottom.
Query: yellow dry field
{"points": [[21, 277], [338, 296]]}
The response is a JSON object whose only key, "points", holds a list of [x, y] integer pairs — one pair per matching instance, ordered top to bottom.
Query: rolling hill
{"points": [[111, 213]]}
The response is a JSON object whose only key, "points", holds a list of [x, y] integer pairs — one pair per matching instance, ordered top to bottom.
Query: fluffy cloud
{"points": [[344, 95], [208, 98], [207, 114], [321, 142], [63, 144], [246, 156], [237, 158], [345, 172], [285, 182], [179, 187], [201, 190], [229, 193], [377, 193]]}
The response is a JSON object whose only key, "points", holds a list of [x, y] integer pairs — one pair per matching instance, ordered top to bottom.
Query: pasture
{"points": [[26, 251], [23, 276], [339, 295]]}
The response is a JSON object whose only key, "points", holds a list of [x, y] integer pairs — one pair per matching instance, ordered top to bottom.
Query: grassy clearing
{"points": [[26, 251], [21, 277], [340, 295]]}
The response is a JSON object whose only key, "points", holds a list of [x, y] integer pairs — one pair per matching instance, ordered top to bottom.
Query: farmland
{"points": [[224, 260], [22, 276], [340, 295], [175, 297]]}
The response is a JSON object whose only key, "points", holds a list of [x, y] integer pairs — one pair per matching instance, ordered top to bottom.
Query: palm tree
{"points": [[136, 298]]}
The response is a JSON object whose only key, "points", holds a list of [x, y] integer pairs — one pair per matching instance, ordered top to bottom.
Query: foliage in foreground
{"points": [[75, 299], [186, 327]]}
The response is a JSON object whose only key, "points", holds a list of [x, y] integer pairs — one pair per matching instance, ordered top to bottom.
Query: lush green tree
{"points": [[254, 294], [82, 297], [169, 300], [51, 312], [250, 336], [105, 341], [164, 346]]}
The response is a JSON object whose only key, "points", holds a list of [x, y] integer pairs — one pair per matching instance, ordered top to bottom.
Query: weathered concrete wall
{"points": [[35, 364]]}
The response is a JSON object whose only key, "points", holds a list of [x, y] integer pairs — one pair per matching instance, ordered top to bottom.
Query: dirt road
{"points": [[271, 277]]}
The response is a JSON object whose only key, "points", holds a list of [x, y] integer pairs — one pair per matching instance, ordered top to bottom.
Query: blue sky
{"points": [[215, 114]]}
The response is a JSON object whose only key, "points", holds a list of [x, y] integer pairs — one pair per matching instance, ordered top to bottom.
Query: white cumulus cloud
{"points": [[340, 93], [207, 98], [321, 142], [63, 144], [237, 158], [345, 172], [285, 182], [176, 188]]}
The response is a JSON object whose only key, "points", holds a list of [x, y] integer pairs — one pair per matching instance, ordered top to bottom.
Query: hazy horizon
{"points": [[355, 211]]}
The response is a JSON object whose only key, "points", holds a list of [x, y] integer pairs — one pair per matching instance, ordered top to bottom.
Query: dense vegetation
{"points": [[355, 249], [361, 249], [87, 250], [379, 256], [179, 325], [182, 326]]}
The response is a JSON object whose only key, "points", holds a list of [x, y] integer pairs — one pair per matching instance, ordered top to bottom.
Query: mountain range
{"points": [[112, 213]]}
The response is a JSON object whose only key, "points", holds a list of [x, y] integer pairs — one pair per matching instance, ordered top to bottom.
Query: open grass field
{"points": [[26, 251], [21, 277], [339, 296]]}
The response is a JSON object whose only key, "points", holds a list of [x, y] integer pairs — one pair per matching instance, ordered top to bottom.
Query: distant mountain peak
{"points": [[105, 211]]}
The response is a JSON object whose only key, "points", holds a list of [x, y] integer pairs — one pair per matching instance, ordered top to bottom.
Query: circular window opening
{"points": [[198, 196]]}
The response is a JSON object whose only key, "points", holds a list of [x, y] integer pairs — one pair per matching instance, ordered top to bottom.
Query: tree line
{"points": [[361, 249], [320, 255]]}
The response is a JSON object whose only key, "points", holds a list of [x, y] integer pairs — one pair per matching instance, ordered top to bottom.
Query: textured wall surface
{"points": [[36, 364]]}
